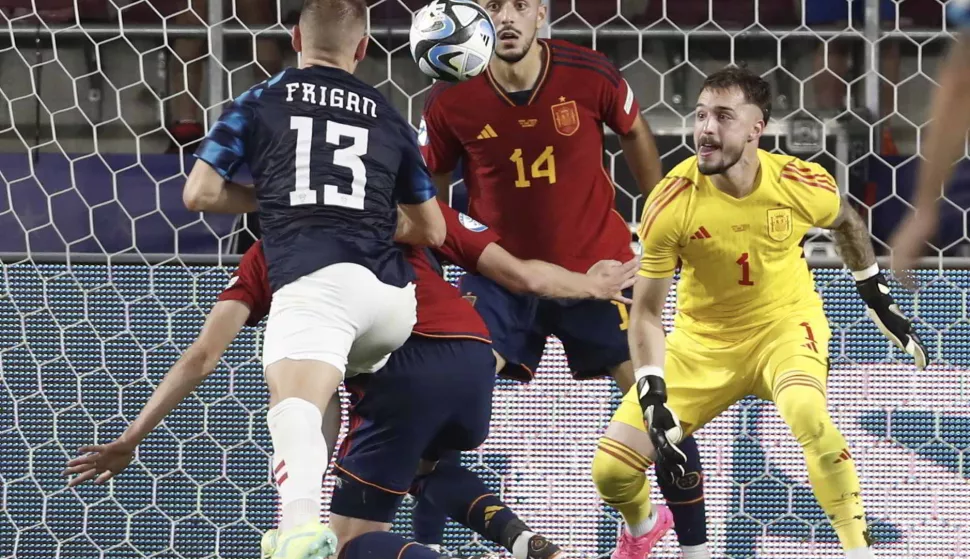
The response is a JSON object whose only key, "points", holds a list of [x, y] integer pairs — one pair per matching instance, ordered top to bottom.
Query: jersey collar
{"points": [[543, 75]]}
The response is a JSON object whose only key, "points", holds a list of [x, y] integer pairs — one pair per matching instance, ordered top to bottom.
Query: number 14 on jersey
{"points": [[543, 166]]}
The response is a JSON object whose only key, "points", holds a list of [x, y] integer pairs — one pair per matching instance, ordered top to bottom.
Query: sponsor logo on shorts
{"points": [[689, 481]]}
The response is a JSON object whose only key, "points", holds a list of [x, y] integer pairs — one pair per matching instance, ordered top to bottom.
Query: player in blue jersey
{"points": [[942, 146], [331, 160]]}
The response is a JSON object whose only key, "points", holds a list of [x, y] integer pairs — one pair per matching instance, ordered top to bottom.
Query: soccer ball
{"points": [[452, 40]]}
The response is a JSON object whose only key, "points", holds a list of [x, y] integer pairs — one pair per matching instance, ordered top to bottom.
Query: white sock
{"points": [[300, 459], [643, 528], [520, 547], [696, 551], [860, 553]]}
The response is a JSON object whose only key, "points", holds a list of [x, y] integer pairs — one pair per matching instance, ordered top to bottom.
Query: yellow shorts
{"points": [[702, 382]]}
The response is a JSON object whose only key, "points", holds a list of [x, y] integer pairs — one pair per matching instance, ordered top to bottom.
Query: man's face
{"points": [[516, 24], [724, 122]]}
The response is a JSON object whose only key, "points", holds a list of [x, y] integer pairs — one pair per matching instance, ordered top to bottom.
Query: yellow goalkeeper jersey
{"points": [[741, 259]]}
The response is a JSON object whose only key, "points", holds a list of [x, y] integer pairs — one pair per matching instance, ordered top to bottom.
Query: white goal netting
{"points": [[106, 278]]}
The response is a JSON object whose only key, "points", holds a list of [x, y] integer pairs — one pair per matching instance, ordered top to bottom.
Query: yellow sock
{"points": [[801, 401], [619, 474]]}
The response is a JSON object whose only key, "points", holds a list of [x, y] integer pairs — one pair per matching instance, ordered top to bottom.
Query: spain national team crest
{"points": [[566, 117], [780, 225]]}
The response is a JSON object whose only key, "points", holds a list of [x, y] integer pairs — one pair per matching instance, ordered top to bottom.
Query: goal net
{"points": [[106, 278]]}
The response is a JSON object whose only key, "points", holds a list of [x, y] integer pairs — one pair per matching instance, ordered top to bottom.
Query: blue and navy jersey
{"points": [[330, 159]]}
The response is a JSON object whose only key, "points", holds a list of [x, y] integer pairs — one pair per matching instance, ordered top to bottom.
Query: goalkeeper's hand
{"points": [[884, 311], [661, 422]]}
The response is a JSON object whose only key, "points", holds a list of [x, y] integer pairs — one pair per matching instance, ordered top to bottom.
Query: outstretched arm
{"points": [[942, 146], [852, 241], [605, 280], [105, 461]]}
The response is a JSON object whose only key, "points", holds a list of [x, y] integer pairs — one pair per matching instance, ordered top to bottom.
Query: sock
{"points": [[801, 402], [300, 459], [620, 478], [465, 498], [685, 499], [427, 520], [382, 545], [520, 547], [695, 551], [860, 553]]}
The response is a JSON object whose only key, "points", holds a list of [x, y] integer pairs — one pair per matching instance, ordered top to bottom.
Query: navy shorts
{"points": [[593, 333], [433, 396]]}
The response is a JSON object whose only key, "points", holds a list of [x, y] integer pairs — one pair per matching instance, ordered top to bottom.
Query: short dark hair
{"points": [[756, 89]]}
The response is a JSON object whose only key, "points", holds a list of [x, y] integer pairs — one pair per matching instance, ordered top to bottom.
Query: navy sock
{"points": [[465, 498], [685, 498], [427, 520], [384, 545]]}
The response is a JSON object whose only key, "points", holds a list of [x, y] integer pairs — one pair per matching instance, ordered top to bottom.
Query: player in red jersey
{"points": [[532, 159], [444, 318]]}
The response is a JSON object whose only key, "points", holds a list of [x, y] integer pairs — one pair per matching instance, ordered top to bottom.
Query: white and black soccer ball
{"points": [[452, 40]]}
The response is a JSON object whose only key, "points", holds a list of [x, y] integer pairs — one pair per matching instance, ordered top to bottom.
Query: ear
{"points": [[541, 12], [297, 39], [361, 51], [759, 129]]}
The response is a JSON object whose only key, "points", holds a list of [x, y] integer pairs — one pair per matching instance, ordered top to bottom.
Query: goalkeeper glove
{"points": [[884, 311], [661, 422]]}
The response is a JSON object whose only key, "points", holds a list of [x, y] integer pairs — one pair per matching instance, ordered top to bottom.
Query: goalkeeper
{"points": [[749, 319]]}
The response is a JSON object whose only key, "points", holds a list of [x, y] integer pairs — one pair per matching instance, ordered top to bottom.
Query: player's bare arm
{"points": [[944, 143], [640, 152], [206, 191], [426, 224], [852, 238], [852, 241], [605, 280], [646, 335], [102, 462]]}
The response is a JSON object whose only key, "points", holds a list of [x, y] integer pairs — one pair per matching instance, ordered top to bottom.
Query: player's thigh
{"points": [[335, 314], [511, 321], [593, 334], [793, 352], [470, 399], [393, 418]]}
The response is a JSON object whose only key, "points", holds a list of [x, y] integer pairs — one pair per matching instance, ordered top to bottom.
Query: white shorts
{"points": [[342, 315]]}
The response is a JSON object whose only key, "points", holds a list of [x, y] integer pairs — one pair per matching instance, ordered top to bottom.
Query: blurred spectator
{"points": [[830, 89], [187, 108]]}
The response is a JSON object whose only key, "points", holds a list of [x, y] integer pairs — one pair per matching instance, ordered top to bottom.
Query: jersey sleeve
{"points": [[619, 105], [226, 145], [441, 148], [414, 184], [818, 191], [661, 228], [465, 240], [250, 284]]}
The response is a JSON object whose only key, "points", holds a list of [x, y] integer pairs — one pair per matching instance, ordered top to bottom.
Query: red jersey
{"points": [[533, 165], [442, 312]]}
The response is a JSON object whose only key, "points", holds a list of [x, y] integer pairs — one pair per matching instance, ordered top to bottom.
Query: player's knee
{"points": [[804, 410], [618, 472]]}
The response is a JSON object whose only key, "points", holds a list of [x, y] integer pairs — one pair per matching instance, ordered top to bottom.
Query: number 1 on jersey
{"points": [[349, 157], [745, 270]]}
